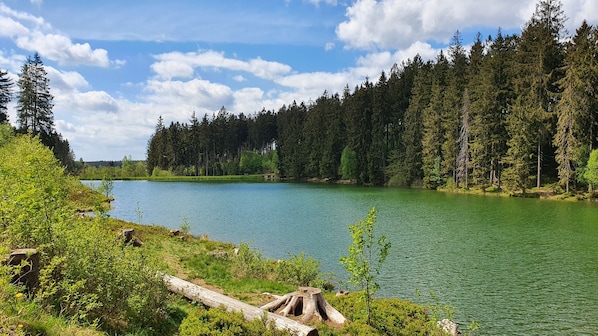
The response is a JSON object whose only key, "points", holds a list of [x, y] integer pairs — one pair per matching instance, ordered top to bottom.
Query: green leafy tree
{"points": [[6, 85], [349, 164], [591, 171], [366, 255]]}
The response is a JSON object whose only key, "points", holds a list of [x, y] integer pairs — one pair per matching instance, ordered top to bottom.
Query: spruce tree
{"points": [[539, 63], [6, 85], [453, 95], [34, 105], [575, 119], [433, 131], [406, 166]]}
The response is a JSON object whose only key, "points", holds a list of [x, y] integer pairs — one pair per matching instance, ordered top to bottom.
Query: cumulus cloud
{"points": [[397, 24], [34, 34], [181, 65], [65, 81], [189, 94]]}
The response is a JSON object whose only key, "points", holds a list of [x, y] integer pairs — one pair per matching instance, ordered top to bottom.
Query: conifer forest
{"points": [[514, 111]]}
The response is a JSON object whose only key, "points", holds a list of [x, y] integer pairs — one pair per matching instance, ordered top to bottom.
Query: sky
{"points": [[115, 66]]}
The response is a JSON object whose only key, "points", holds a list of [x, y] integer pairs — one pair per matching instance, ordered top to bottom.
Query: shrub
{"points": [[249, 263], [300, 271], [95, 279], [390, 316], [216, 322]]}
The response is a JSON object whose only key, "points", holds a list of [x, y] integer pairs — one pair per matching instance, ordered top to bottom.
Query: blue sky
{"points": [[115, 66]]}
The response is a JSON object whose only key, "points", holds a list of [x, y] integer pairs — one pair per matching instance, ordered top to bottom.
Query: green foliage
{"points": [[251, 163], [349, 164], [591, 171], [32, 193], [367, 253], [249, 263], [299, 270], [87, 275], [93, 278], [390, 316], [216, 322]]}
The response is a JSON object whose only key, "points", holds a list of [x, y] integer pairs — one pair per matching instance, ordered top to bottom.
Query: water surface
{"points": [[516, 266]]}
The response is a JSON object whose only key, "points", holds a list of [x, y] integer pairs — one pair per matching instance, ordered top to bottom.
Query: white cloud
{"points": [[397, 24], [34, 34], [329, 46], [177, 64], [239, 78], [65, 81], [188, 95]]}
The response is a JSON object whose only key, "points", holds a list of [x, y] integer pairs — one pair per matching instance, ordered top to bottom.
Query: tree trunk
{"points": [[217, 300], [306, 301]]}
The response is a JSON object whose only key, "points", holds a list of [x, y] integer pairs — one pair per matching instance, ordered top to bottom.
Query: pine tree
{"points": [[6, 85], [34, 106]]}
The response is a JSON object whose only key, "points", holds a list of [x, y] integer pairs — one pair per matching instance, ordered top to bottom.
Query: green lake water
{"points": [[516, 266]]}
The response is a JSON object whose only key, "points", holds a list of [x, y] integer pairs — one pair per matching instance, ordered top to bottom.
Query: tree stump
{"points": [[129, 237], [28, 261], [307, 302]]}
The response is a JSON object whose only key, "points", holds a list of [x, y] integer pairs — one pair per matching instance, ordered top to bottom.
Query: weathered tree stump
{"points": [[130, 238], [28, 261], [307, 302]]}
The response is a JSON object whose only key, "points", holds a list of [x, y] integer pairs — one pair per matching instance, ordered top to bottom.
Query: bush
{"points": [[249, 263], [300, 271], [87, 275], [95, 279], [389, 316], [216, 322]]}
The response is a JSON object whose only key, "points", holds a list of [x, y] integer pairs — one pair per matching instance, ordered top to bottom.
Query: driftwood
{"points": [[217, 300], [306, 301]]}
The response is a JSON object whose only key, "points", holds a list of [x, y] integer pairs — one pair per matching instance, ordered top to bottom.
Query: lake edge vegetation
{"points": [[93, 283]]}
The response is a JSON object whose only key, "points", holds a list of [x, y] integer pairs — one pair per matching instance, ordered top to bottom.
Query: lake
{"points": [[516, 266]]}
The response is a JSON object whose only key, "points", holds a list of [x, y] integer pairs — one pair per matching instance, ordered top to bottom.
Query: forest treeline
{"points": [[513, 110]]}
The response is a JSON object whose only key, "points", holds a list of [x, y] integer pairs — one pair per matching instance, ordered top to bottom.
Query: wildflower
{"points": [[19, 295], [20, 326]]}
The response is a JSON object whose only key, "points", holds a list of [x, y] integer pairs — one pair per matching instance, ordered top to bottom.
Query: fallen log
{"points": [[217, 300], [306, 301]]}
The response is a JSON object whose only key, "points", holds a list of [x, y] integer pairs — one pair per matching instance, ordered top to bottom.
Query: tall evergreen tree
{"points": [[539, 63], [6, 94], [453, 95], [34, 106], [575, 110], [433, 131], [463, 156], [406, 166]]}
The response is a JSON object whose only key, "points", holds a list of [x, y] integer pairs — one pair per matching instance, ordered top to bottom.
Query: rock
{"points": [[175, 232], [218, 254], [450, 327]]}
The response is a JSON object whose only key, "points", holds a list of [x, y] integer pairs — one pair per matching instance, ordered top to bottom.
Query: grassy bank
{"points": [[91, 282]]}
